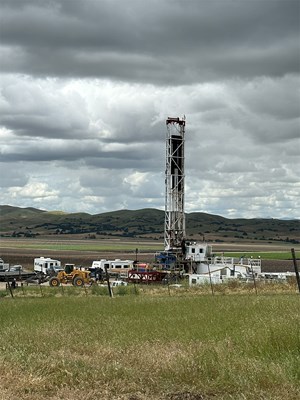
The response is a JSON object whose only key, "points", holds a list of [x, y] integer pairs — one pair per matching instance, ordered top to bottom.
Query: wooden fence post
{"points": [[296, 268], [253, 276], [210, 280], [108, 282], [9, 287]]}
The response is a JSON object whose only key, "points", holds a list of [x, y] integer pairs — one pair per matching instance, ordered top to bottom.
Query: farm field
{"points": [[159, 347]]}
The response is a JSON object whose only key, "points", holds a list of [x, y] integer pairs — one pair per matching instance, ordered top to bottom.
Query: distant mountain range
{"points": [[144, 223]]}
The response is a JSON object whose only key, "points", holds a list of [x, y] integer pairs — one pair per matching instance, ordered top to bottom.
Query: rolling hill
{"points": [[144, 223]]}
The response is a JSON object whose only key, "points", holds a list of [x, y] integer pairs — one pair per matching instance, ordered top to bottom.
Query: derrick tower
{"points": [[174, 235]]}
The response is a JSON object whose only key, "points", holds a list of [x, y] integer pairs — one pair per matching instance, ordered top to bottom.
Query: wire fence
{"points": [[231, 287]]}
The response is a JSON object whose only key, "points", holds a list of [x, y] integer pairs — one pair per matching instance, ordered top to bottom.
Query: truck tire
{"points": [[78, 281], [54, 282]]}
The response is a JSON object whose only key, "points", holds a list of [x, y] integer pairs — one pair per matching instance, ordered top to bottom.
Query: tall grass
{"points": [[150, 347]]}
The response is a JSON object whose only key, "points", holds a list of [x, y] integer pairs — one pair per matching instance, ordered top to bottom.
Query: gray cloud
{"points": [[169, 42], [86, 87]]}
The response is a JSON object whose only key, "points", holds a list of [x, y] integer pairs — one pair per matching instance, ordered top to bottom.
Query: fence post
{"points": [[296, 268], [210, 280], [254, 280], [108, 282], [9, 287], [169, 287]]}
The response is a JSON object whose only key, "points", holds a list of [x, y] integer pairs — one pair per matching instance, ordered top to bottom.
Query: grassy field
{"points": [[81, 245], [265, 251], [269, 255], [158, 347]]}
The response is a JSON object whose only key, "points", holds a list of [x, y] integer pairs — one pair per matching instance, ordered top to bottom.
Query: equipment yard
{"points": [[23, 251]]}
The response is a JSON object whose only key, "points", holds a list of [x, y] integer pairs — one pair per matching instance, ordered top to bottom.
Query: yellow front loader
{"points": [[72, 275]]}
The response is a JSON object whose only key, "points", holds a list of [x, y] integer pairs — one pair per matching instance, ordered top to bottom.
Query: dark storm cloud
{"points": [[169, 42], [41, 126], [91, 153]]}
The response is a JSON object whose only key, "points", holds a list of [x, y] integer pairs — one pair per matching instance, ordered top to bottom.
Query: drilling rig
{"points": [[174, 185], [174, 234], [181, 255]]}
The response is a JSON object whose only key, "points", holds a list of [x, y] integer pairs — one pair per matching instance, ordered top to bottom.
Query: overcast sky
{"points": [[86, 87]]}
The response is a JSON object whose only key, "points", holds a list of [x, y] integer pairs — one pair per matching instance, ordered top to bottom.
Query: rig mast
{"points": [[174, 235]]}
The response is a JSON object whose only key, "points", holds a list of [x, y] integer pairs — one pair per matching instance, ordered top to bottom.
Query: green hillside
{"points": [[144, 223]]}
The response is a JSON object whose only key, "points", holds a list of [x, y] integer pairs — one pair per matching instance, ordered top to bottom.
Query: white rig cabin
{"points": [[205, 267]]}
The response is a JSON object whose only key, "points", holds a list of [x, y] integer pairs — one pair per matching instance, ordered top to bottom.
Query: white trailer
{"points": [[46, 265], [113, 265], [3, 266]]}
